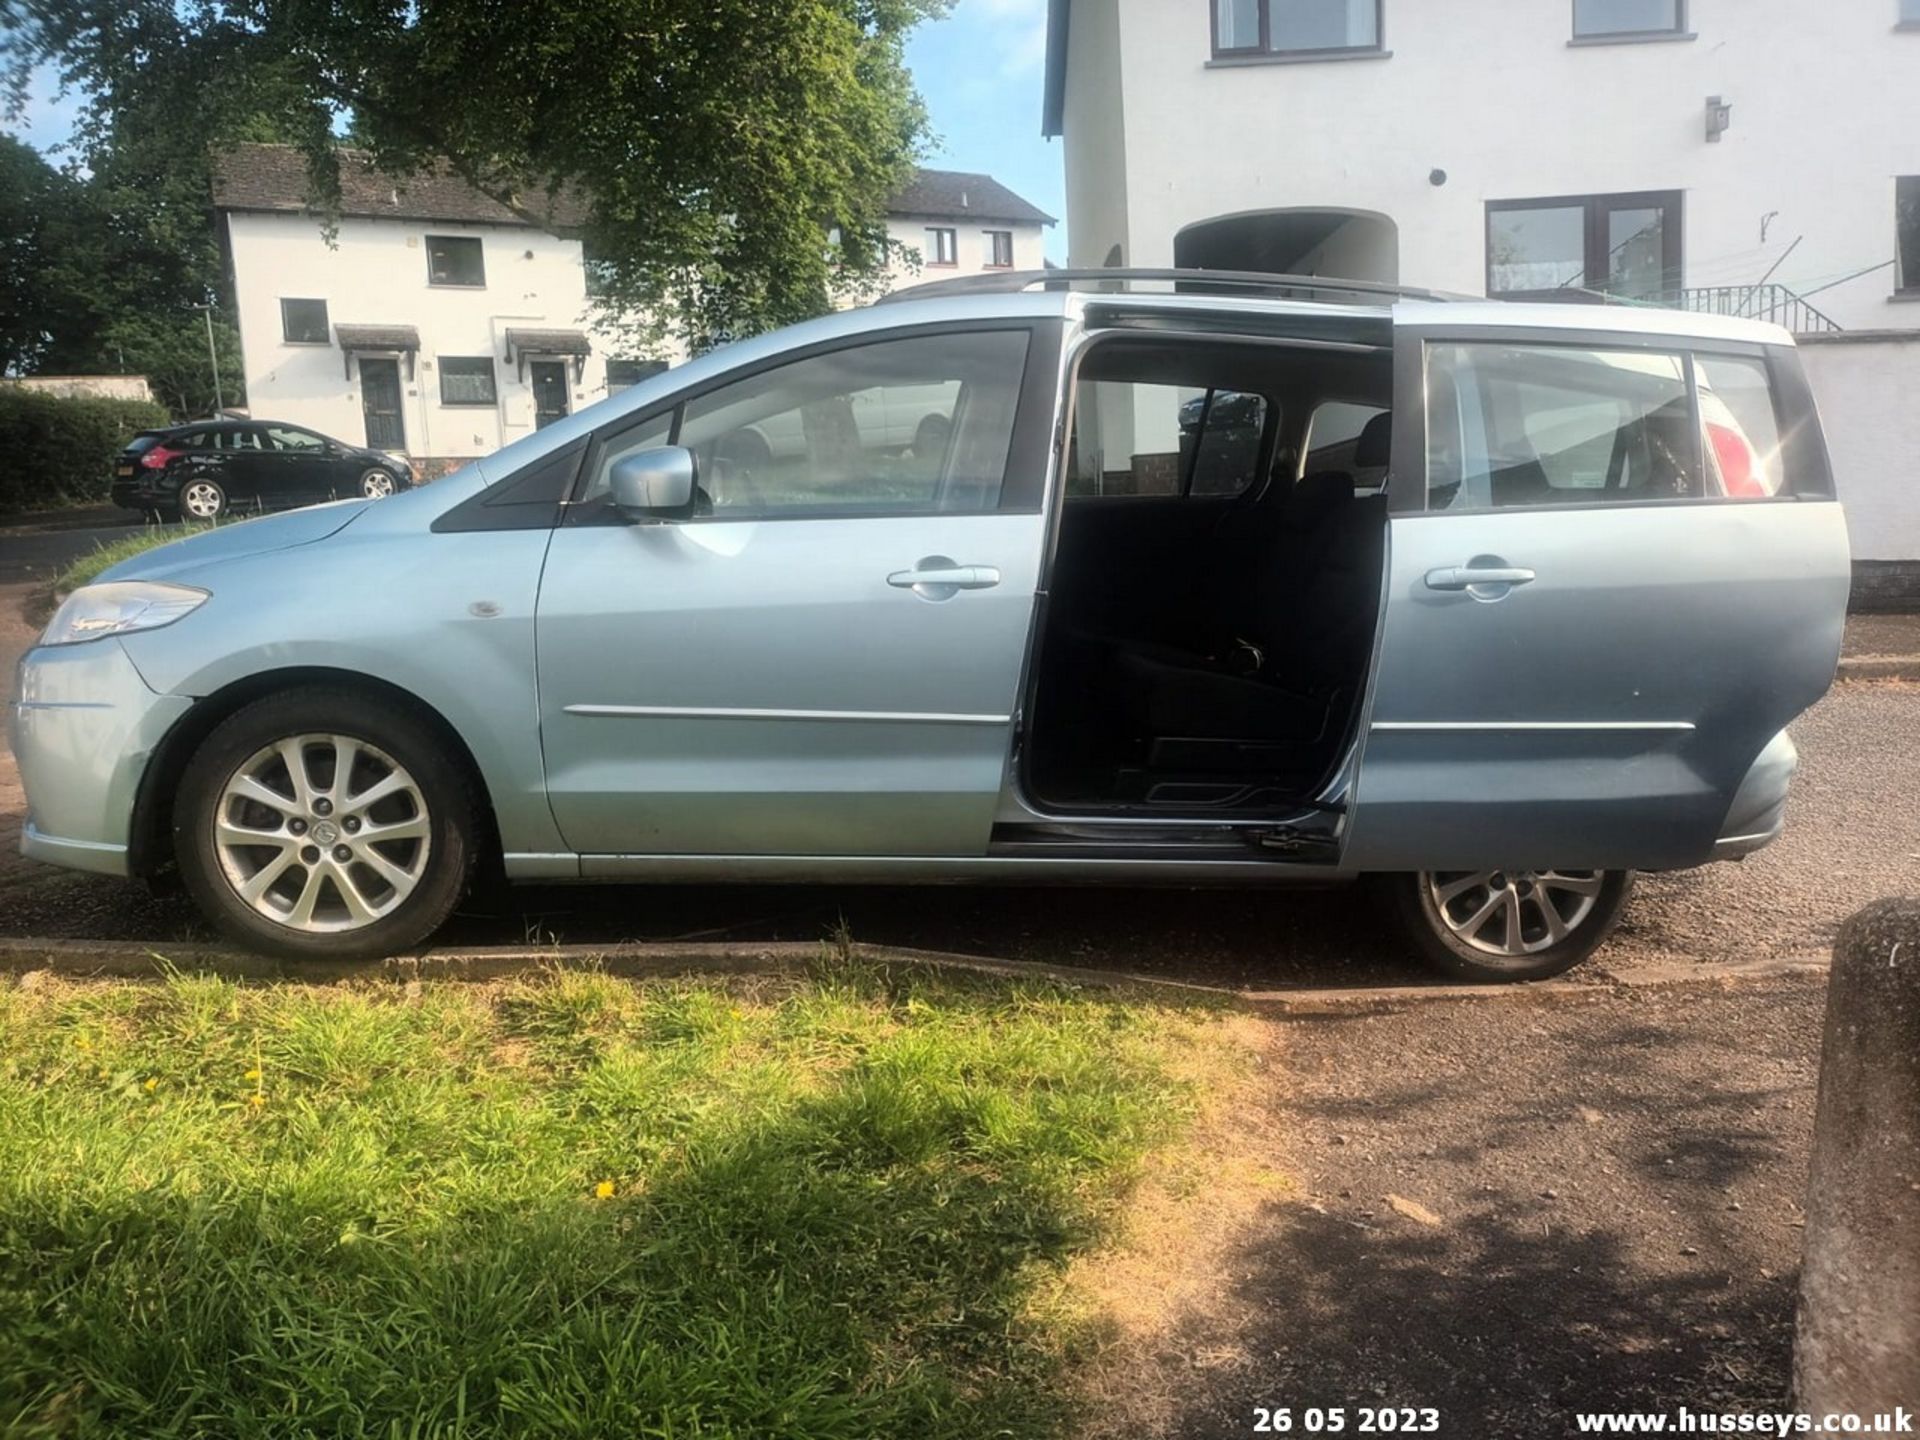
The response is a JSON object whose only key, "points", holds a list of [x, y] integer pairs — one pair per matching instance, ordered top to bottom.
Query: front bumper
{"points": [[83, 729]]}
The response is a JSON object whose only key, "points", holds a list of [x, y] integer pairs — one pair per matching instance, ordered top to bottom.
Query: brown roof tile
{"points": [[274, 177], [964, 195]]}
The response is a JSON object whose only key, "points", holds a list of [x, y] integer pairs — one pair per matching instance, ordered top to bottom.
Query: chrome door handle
{"points": [[952, 577], [1468, 577]]}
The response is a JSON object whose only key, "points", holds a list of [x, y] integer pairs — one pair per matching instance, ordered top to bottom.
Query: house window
{"points": [[1615, 19], [1295, 27], [1906, 204], [943, 246], [1584, 247], [999, 249], [455, 260], [303, 322], [624, 374], [466, 380]]}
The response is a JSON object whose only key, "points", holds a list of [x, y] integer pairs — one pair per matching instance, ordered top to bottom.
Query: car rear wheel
{"points": [[376, 484], [202, 499], [325, 824], [1509, 924]]}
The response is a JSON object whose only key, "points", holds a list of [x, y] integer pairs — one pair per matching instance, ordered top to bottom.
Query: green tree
{"points": [[714, 144]]}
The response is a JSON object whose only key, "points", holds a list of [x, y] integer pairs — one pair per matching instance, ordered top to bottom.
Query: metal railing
{"points": [[1776, 304]]}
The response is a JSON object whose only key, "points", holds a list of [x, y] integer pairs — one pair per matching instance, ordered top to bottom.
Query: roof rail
{"points": [[1010, 282]]}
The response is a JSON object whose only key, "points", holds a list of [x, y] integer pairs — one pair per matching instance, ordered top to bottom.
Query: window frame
{"points": [[1678, 31], [1264, 49], [994, 237], [1594, 239], [951, 244], [479, 249], [1906, 285], [326, 320], [658, 367], [493, 382], [1806, 480], [1022, 491]]}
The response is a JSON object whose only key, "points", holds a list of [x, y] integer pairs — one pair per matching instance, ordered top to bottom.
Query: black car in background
{"points": [[204, 470]]}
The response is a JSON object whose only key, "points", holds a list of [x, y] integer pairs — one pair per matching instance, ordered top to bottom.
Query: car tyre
{"points": [[377, 484], [202, 499], [371, 896], [1459, 921]]}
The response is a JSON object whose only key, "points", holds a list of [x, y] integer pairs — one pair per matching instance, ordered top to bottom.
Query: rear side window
{"points": [[1543, 425], [1352, 438], [1134, 439], [1743, 452]]}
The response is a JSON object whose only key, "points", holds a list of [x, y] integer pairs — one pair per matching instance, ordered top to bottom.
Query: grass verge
{"points": [[88, 566], [573, 1207]]}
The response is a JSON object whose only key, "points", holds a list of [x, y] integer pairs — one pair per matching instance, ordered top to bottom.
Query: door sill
{"points": [[1309, 838]]}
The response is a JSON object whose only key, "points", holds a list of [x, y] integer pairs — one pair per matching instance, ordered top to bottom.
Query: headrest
{"points": [[1375, 443], [1323, 488]]}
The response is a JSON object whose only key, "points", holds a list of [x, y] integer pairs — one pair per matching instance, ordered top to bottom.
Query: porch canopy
{"points": [[378, 340], [570, 344]]}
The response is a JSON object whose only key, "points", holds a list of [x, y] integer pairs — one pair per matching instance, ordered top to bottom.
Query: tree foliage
{"points": [[715, 144]]}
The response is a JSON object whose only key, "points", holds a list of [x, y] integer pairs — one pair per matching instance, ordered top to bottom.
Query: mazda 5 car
{"points": [[1543, 625]]}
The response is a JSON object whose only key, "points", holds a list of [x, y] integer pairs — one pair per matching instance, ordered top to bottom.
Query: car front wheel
{"points": [[325, 824], [1495, 925]]}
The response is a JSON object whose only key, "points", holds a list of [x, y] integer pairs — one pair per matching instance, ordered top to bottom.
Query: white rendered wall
{"points": [[1826, 112], [972, 252], [1866, 389]]}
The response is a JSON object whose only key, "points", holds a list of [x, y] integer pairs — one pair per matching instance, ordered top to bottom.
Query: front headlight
{"points": [[119, 607]]}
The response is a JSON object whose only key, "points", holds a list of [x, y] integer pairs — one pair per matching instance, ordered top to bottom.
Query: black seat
{"points": [[1298, 595]]}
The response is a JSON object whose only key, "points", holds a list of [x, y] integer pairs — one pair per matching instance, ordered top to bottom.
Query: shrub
{"points": [[60, 451]]}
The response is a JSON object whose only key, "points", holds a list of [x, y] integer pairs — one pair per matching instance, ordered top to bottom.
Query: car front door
{"points": [[300, 466], [1617, 572], [824, 658]]}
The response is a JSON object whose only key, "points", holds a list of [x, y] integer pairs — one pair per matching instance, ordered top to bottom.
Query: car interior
{"points": [[1210, 613]]}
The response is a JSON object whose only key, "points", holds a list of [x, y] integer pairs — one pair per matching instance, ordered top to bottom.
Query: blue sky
{"points": [[979, 71]]}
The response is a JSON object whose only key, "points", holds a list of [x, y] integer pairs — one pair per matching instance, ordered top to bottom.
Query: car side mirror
{"points": [[656, 484]]}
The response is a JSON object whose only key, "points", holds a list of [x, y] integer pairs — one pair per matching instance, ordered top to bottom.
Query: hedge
{"points": [[58, 451]]}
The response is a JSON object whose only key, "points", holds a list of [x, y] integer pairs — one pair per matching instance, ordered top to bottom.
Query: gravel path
{"points": [[1598, 1208]]}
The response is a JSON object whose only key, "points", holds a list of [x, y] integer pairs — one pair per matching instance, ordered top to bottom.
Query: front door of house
{"points": [[549, 391], [380, 401]]}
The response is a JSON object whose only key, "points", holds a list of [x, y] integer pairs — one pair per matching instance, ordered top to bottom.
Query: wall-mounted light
{"points": [[1719, 117], [1436, 176]]}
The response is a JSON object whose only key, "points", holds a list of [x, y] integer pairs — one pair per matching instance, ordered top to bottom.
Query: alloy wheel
{"points": [[376, 484], [200, 500], [322, 833], [1513, 912]]}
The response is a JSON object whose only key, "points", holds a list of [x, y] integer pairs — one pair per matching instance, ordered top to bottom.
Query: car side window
{"points": [[1545, 425], [896, 426], [1343, 435], [281, 437], [1142, 439]]}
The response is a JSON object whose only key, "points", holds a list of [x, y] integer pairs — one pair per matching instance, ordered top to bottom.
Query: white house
{"points": [[1746, 156], [961, 223], [434, 322], [437, 323]]}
